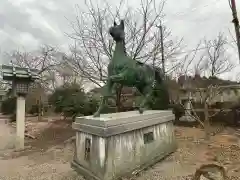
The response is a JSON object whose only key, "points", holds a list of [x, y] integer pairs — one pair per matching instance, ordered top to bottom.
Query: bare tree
{"points": [[93, 46], [209, 58], [45, 60], [215, 60], [188, 63], [65, 75], [208, 97]]}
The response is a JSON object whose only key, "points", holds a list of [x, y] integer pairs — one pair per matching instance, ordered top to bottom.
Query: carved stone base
{"points": [[119, 144]]}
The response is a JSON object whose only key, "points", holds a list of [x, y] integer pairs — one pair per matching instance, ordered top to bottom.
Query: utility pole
{"points": [[236, 24], [162, 48]]}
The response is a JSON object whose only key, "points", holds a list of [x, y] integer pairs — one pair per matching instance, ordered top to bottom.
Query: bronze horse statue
{"points": [[128, 72]]}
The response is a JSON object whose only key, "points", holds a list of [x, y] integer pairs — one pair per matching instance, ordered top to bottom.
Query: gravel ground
{"points": [[54, 163], [51, 164]]}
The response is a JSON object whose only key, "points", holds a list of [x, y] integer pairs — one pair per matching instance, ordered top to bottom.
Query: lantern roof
{"points": [[11, 73]]}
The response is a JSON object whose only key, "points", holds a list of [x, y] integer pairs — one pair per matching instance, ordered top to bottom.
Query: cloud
{"points": [[25, 19], [198, 19], [46, 20], [30, 23]]}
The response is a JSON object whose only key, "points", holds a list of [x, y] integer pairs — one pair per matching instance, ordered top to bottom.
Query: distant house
{"points": [[194, 87]]}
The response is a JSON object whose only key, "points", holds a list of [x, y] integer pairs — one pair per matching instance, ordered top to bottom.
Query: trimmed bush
{"points": [[71, 100]]}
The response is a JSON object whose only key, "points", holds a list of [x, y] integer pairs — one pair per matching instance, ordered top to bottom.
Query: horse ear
{"points": [[114, 23], [122, 23]]}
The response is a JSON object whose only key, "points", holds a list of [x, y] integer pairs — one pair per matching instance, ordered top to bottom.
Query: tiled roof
{"points": [[10, 72]]}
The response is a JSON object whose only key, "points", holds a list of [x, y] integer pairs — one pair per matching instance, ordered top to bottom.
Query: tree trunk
{"points": [[118, 97], [206, 122]]}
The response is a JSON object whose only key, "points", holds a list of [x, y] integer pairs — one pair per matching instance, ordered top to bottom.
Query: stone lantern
{"points": [[21, 79]]}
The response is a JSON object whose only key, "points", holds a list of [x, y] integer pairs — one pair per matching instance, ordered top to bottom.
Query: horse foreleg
{"points": [[107, 93], [147, 93]]}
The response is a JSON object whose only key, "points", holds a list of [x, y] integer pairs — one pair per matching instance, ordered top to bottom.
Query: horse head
{"points": [[117, 31]]}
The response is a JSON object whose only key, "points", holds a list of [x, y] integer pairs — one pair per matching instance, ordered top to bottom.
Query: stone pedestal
{"points": [[119, 144]]}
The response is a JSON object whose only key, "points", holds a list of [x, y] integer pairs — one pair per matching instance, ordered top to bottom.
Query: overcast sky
{"points": [[29, 23]]}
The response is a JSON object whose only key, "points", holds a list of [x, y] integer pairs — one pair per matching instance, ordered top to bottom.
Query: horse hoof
{"points": [[96, 115]]}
